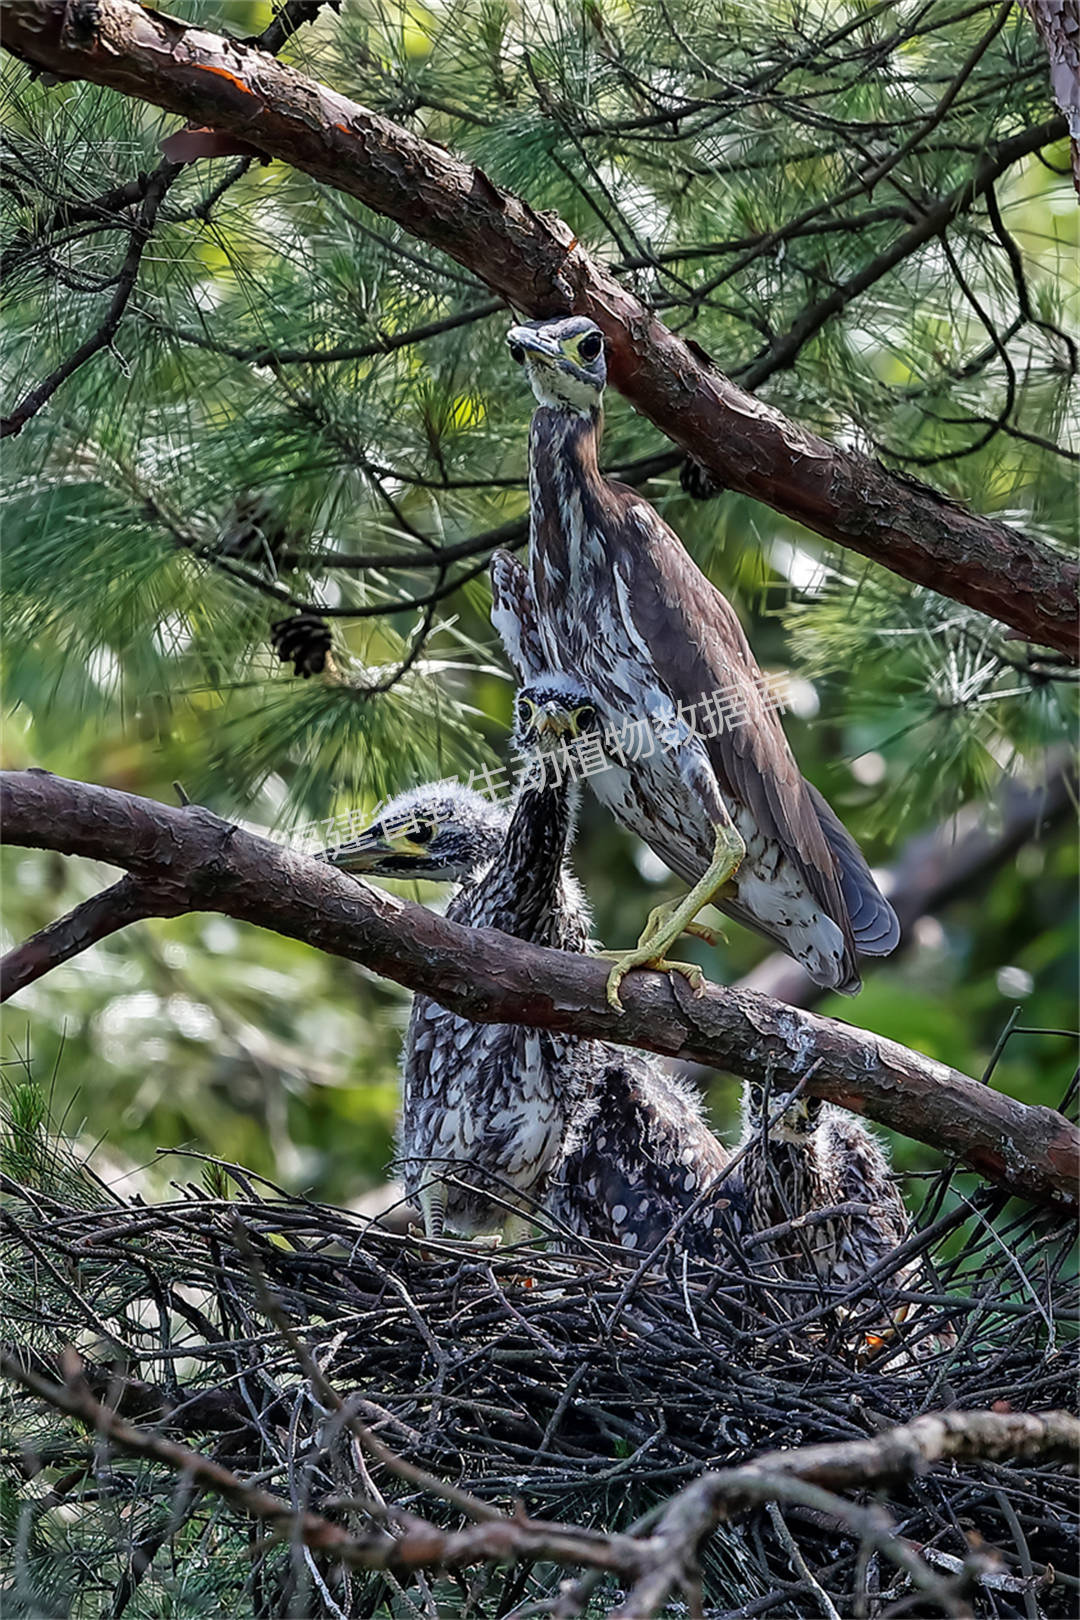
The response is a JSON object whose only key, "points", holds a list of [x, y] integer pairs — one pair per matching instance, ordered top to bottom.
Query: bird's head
{"points": [[564, 360], [552, 711], [443, 831], [797, 1123]]}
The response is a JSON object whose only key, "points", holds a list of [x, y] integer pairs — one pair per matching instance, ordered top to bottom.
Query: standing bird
{"points": [[707, 780], [487, 1108], [623, 1150]]}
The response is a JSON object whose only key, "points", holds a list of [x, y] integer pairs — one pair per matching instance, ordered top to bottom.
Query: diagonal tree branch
{"points": [[536, 263], [194, 861], [131, 900], [809, 1474]]}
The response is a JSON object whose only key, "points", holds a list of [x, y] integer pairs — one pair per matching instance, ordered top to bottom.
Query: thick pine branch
{"points": [[536, 263], [191, 860]]}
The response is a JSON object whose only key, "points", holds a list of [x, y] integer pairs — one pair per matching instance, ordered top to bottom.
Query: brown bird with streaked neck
{"points": [[619, 607]]}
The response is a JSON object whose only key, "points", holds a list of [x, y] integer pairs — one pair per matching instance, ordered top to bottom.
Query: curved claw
{"points": [[667, 921], [711, 936], [626, 961], [691, 972]]}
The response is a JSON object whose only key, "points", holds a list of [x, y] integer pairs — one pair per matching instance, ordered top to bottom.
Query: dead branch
{"points": [[537, 264], [194, 861], [469, 1363], [901, 1453], [418, 1544], [659, 1563]]}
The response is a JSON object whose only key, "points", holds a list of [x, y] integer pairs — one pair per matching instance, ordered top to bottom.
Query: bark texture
{"points": [[1058, 25], [536, 263], [191, 860]]}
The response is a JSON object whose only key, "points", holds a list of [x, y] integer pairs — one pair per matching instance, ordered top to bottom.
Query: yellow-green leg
{"points": [[659, 915], [666, 922], [432, 1201], [433, 1208]]}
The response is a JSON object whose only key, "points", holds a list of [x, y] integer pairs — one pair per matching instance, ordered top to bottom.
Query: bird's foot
{"points": [[666, 922], [646, 956], [482, 1242]]}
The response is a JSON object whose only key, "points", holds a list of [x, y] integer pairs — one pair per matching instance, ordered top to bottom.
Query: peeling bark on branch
{"points": [[535, 262], [190, 860]]}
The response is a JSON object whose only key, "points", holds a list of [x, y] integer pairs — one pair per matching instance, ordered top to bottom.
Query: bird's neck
{"points": [[561, 437], [567, 501], [524, 890]]}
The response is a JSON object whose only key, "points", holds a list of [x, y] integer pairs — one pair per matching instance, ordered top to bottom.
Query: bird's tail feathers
{"points": [[875, 926]]}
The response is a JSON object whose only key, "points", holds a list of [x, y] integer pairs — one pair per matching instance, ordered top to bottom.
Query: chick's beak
{"points": [[549, 721], [361, 854]]}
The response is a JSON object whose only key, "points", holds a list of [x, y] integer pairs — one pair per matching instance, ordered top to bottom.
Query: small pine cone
{"points": [[698, 482], [251, 532], [303, 641]]}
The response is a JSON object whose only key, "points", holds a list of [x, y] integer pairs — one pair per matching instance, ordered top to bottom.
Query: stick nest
{"points": [[582, 1385]]}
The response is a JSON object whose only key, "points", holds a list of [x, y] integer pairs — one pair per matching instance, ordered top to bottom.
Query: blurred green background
{"points": [[137, 648]]}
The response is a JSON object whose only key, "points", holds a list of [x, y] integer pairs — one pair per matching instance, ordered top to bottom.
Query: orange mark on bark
{"points": [[223, 73]]}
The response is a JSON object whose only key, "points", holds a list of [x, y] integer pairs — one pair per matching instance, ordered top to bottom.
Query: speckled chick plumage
{"points": [[618, 605], [488, 1108], [600, 1138], [613, 1149], [645, 1156], [814, 1158]]}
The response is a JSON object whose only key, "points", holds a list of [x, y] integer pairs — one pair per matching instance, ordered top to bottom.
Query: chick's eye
{"points": [[590, 345], [517, 354], [584, 717], [423, 832]]}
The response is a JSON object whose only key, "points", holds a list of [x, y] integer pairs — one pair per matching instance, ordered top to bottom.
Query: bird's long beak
{"points": [[537, 345], [549, 721], [361, 854]]}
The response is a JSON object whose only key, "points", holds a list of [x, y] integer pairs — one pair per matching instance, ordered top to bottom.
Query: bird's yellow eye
{"points": [[526, 711], [582, 719]]}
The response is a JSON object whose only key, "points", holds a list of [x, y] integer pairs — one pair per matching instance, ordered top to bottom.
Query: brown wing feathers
{"points": [[700, 650]]}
